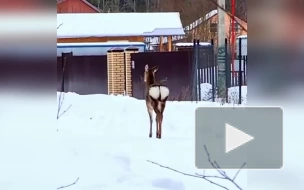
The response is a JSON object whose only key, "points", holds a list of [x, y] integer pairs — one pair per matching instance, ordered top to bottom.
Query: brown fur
{"points": [[158, 106]]}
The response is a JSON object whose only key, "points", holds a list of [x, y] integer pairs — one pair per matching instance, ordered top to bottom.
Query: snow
{"points": [[119, 24], [242, 36], [109, 43], [206, 90], [233, 94], [103, 141]]}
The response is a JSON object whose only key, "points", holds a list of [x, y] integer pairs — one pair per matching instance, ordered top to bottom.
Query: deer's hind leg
{"points": [[162, 108], [150, 111], [160, 125], [158, 135]]}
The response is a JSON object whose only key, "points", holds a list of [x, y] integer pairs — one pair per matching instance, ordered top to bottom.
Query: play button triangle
{"points": [[235, 138]]}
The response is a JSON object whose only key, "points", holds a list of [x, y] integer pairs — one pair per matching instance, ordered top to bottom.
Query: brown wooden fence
{"points": [[173, 66], [83, 74]]}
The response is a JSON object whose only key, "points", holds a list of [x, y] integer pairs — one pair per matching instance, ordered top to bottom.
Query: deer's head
{"points": [[149, 75]]}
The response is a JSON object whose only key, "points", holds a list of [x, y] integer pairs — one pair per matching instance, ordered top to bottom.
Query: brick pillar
{"points": [[128, 52], [115, 59], [109, 71]]}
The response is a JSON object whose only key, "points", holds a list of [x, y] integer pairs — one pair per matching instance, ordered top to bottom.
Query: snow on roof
{"points": [[118, 24], [242, 36], [110, 43], [191, 44]]}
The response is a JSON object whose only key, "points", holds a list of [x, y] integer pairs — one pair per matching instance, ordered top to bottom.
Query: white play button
{"points": [[235, 138]]}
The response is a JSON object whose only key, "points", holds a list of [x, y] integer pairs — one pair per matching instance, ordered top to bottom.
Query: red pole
{"points": [[232, 34]]}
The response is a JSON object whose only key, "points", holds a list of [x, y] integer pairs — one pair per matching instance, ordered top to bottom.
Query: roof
{"points": [[86, 2], [119, 24], [97, 44]]}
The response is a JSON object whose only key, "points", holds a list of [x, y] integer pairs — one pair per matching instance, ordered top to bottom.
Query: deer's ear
{"points": [[147, 68], [155, 69]]}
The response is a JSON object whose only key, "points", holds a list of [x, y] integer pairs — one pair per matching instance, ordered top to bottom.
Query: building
{"points": [[76, 6], [107, 27], [205, 28]]}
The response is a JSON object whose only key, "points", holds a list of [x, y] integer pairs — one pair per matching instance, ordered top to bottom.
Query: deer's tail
{"points": [[159, 92]]}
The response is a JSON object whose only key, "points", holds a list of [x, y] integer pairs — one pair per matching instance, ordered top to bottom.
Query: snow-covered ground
{"points": [[103, 142]]}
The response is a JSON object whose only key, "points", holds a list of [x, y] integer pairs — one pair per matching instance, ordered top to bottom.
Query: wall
{"points": [[74, 6]]}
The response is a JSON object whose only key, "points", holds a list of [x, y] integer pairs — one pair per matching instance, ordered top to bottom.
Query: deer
{"points": [[156, 95]]}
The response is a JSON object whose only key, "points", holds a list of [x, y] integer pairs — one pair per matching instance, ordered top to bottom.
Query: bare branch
{"points": [[59, 25], [164, 80], [61, 95], [183, 95], [60, 103], [64, 111], [215, 165], [222, 172], [237, 173], [191, 175], [69, 184]]}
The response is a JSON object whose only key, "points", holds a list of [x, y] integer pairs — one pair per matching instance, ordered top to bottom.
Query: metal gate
{"points": [[204, 72]]}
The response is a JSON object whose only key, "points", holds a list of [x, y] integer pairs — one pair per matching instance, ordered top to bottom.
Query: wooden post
{"points": [[160, 43], [169, 43]]}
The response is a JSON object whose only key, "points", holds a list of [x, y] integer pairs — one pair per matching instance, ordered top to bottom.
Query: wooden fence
{"points": [[82, 74]]}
